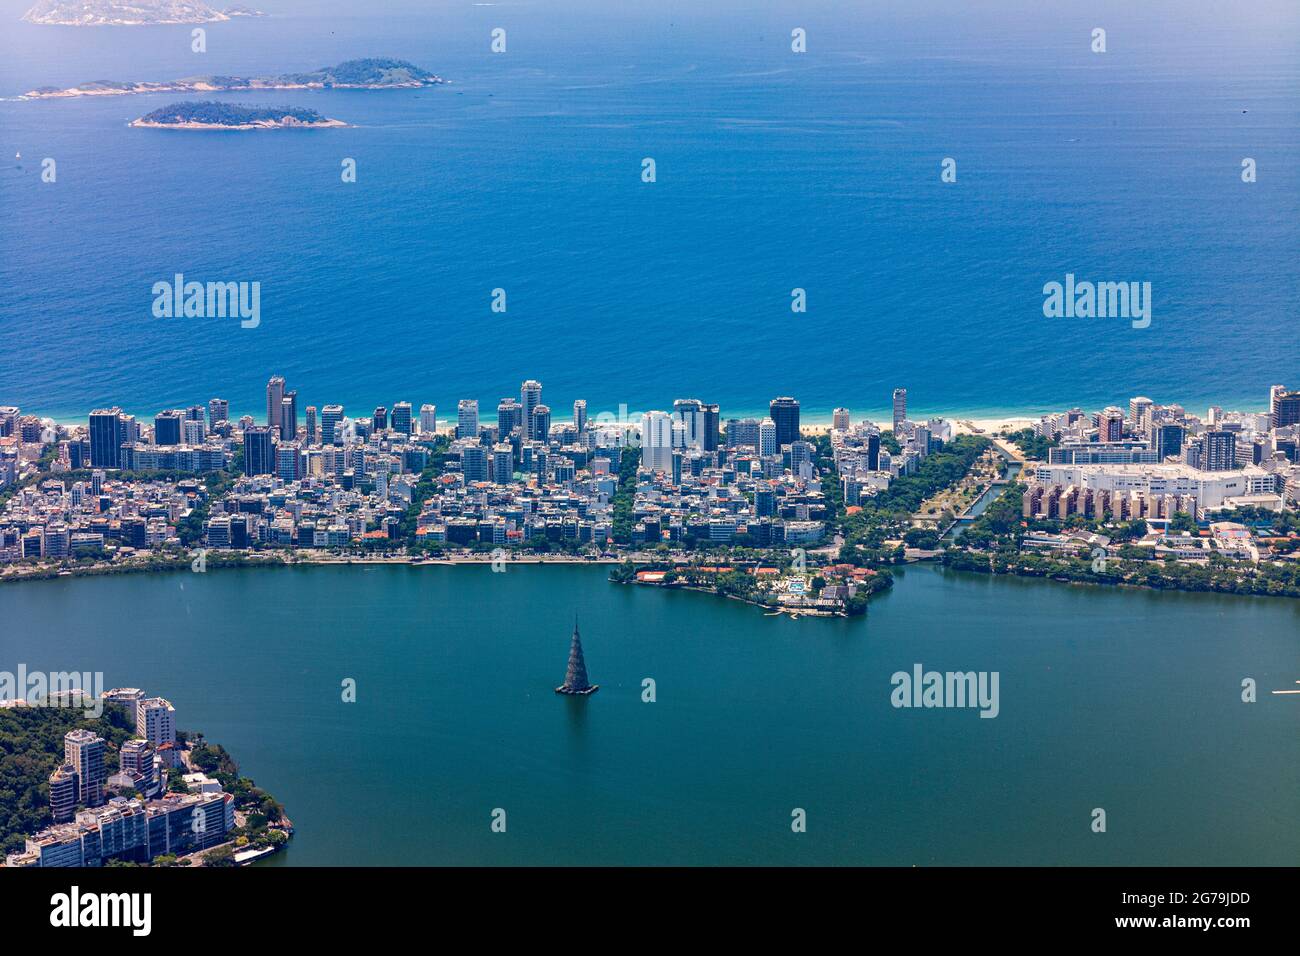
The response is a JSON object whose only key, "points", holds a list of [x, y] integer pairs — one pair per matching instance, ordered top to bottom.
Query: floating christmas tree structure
{"points": [[575, 678]]}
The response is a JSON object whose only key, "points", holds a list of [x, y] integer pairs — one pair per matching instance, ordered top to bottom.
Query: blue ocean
{"points": [[775, 171]]}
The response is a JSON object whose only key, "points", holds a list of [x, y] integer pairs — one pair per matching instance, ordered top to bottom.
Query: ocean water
{"points": [[774, 171], [1124, 700]]}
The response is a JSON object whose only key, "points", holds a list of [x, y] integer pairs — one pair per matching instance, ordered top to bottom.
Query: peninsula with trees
{"points": [[371, 73]]}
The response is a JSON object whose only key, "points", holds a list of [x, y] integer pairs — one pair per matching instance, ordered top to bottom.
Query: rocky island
{"points": [[124, 13], [374, 73], [234, 116]]}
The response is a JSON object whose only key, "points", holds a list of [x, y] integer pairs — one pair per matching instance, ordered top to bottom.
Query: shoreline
{"points": [[813, 422]]}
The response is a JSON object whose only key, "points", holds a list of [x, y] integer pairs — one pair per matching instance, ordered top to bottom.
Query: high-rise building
{"points": [[274, 396], [530, 396], [1284, 407], [1138, 410], [218, 411], [900, 411], [689, 413], [9, 415], [510, 415], [580, 415], [785, 415], [289, 416], [331, 416], [402, 418], [467, 418], [380, 419], [428, 419], [840, 419], [712, 421], [1110, 424], [311, 425], [539, 427], [167, 428], [742, 432], [106, 438], [1167, 438], [657, 442], [768, 445], [873, 450], [1219, 451], [287, 456], [259, 457], [503, 462], [474, 463], [155, 721], [84, 751], [64, 792]]}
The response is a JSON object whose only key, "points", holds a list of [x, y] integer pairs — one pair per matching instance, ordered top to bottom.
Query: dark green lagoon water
{"points": [[1124, 700]]}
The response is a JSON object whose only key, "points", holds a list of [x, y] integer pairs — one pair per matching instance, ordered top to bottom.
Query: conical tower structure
{"points": [[575, 678]]}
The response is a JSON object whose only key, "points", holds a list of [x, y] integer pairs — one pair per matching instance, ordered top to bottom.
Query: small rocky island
{"points": [[130, 13], [373, 73], [234, 116]]}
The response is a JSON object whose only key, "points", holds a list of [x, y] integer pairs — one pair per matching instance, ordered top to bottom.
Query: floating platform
{"points": [[572, 692]]}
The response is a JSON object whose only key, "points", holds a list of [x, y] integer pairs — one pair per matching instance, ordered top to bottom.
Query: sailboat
{"points": [[575, 677]]}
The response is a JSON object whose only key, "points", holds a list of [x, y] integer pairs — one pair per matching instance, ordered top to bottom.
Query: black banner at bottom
{"points": [[276, 903]]}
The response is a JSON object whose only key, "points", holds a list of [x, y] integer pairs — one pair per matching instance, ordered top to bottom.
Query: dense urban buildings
{"points": [[392, 480]]}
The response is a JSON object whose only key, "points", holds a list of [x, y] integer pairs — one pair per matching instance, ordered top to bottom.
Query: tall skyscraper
{"points": [[274, 396], [530, 396], [1284, 407], [1138, 410], [218, 411], [900, 411], [580, 414], [510, 415], [785, 415], [289, 416], [331, 416], [402, 418], [467, 418], [380, 419], [428, 419], [840, 419], [712, 421], [540, 423], [1110, 424], [311, 425], [167, 428], [106, 437], [1168, 440], [657, 441], [768, 445], [873, 450], [1219, 451], [259, 455], [287, 461], [474, 463], [155, 721], [84, 751], [64, 792]]}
